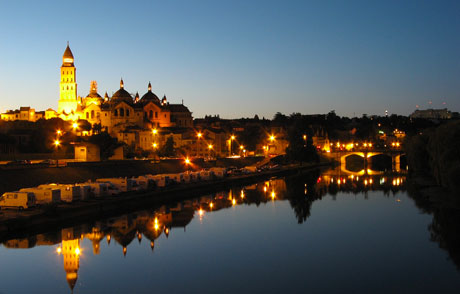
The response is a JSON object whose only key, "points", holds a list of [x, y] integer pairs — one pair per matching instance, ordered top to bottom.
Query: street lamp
{"points": [[75, 125], [198, 135], [231, 140], [57, 143], [210, 148]]}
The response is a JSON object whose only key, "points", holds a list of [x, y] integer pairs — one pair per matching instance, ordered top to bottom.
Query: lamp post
{"points": [[198, 135], [231, 140], [57, 143], [154, 144], [209, 149], [187, 163]]}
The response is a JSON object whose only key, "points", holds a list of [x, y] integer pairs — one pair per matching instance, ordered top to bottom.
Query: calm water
{"points": [[325, 233]]}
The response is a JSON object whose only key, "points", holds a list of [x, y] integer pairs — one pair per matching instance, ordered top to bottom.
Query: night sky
{"points": [[239, 58]]}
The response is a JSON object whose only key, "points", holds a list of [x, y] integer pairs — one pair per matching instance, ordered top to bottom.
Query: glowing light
{"points": [[75, 125], [154, 131], [59, 132], [199, 135], [232, 137], [272, 138], [57, 143], [155, 145], [210, 146], [241, 147], [187, 161], [370, 181], [365, 182], [265, 188], [242, 194], [273, 195], [398, 200], [233, 201], [211, 205], [201, 212], [156, 225], [59, 250], [77, 251]]}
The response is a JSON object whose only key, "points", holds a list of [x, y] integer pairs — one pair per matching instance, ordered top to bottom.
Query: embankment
{"points": [[15, 177]]}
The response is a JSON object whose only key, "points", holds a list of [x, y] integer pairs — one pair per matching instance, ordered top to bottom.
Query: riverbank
{"points": [[14, 178], [423, 188], [14, 224]]}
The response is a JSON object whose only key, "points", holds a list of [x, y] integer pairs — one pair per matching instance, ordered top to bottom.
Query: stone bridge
{"points": [[341, 156]]}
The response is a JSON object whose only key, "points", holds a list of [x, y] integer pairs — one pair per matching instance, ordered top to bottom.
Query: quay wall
{"points": [[13, 178]]}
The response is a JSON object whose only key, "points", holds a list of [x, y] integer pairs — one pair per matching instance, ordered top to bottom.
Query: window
{"points": [[122, 112], [127, 112], [115, 113], [92, 114], [98, 114], [151, 114], [156, 114], [87, 115]]}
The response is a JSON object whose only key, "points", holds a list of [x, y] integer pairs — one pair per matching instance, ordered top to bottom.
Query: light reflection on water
{"points": [[328, 232]]}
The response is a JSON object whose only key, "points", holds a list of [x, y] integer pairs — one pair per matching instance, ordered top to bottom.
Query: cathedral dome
{"points": [[122, 95], [150, 96]]}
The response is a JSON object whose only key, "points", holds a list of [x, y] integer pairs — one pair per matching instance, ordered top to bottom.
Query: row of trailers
{"points": [[56, 193]]}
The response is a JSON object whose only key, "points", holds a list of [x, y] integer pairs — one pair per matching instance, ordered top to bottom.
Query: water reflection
{"points": [[300, 191]]}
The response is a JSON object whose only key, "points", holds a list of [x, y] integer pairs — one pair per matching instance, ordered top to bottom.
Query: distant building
{"points": [[432, 114]]}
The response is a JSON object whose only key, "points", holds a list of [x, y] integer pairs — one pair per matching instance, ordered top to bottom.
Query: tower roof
{"points": [[67, 58], [122, 95], [150, 96]]}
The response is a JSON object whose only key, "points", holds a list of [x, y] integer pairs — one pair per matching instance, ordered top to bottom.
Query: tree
{"points": [[106, 143], [168, 148], [300, 149]]}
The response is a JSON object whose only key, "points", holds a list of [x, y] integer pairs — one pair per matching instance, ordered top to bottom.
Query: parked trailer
{"points": [[250, 169], [219, 172], [205, 175], [195, 176], [186, 177], [177, 178], [160, 180], [144, 182], [122, 184], [99, 189], [85, 191], [69, 193], [44, 196], [17, 199]]}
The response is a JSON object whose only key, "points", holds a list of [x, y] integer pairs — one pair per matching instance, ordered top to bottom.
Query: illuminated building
{"points": [[68, 86], [116, 114], [71, 258]]}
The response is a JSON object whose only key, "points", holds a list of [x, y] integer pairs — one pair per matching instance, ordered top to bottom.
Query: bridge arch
{"points": [[343, 158]]}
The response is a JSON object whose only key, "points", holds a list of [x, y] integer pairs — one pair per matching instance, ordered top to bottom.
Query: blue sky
{"points": [[239, 58]]}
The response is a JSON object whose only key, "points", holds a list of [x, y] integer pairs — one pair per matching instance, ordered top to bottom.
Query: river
{"points": [[320, 232]]}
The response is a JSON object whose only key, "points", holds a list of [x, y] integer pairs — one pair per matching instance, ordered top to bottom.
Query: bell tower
{"points": [[68, 85]]}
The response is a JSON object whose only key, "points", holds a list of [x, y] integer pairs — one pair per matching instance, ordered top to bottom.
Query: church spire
{"points": [[121, 83], [150, 86]]}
